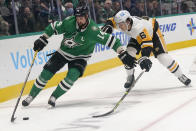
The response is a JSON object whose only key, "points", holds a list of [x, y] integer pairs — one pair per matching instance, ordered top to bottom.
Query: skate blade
{"points": [[50, 107]]}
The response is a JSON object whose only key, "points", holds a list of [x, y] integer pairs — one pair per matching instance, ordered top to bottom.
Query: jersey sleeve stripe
{"points": [[53, 24], [153, 25], [111, 40], [162, 40], [108, 41], [144, 42], [111, 43], [147, 44], [72, 57]]}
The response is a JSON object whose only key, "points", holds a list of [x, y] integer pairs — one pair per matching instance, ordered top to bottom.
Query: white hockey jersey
{"points": [[141, 30]]}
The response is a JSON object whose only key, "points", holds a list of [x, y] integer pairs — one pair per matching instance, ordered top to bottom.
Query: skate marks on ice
{"points": [[161, 91], [87, 108], [84, 109], [89, 123], [80, 124]]}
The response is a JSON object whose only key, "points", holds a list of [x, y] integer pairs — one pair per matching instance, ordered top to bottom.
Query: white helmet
{"points": [[122, 16]]}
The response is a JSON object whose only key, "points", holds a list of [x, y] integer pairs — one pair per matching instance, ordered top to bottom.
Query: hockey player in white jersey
{"points": [[145, 37]]}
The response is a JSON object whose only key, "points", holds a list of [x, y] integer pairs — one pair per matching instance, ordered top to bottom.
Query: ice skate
{"points": [[130, 81], [186, 81], [27, 101], [51, 102]]}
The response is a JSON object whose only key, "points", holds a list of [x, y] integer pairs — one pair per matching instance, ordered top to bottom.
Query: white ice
{"points": [[158, 102]]}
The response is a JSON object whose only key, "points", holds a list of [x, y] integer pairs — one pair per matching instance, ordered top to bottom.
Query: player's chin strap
{"points": [[122, 98]]}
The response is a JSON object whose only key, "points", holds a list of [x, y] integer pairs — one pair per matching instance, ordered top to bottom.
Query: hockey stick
{"points": [[21, 92], [122, 98]]}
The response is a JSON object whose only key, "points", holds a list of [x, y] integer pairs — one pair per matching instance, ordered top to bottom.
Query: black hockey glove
{"points": [[107, 29], [40, 43], [127, 59], [145, 63]]}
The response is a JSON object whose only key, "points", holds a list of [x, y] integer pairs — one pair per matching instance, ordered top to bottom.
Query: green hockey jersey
{"points": [[79, 44]]}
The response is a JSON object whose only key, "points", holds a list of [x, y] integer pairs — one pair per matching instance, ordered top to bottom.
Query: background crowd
{"points": [[26, 16]]}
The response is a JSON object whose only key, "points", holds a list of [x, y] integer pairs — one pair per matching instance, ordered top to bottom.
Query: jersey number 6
{"points": [[142, 35]]}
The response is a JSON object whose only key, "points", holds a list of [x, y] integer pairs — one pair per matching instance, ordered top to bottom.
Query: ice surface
{"points": [[158, 102]]}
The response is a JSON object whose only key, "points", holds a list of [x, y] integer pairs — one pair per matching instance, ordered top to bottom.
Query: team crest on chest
{"points": [[69, 42]]}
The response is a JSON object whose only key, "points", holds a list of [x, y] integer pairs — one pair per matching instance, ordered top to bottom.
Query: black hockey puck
{"points": [[25, 118]]}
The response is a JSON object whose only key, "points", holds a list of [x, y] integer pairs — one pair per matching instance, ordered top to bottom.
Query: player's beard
{"points": [[83, 26]]}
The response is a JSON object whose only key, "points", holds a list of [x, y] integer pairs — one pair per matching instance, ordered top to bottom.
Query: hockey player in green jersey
{"points": [[80, 37]]}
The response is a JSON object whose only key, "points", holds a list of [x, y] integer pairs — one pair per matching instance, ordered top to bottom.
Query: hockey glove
{"points": [[107, 29], [40, 43], [127, 59], [145, 63]]}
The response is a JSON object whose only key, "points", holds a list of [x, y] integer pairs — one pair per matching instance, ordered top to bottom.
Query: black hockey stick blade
{"points": [[122, 98], [114, 108], [105, 114], [13, 119]]}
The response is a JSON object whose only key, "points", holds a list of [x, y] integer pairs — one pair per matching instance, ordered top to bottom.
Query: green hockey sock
{"points": [[72, 75], [40, 82], [34, 91], [58, 92]]}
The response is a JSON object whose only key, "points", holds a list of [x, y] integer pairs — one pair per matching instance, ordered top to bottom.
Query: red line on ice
{"points": [[167, 114]]}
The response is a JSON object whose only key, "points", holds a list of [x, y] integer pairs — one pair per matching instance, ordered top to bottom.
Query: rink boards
{"points": [[16, 54]]}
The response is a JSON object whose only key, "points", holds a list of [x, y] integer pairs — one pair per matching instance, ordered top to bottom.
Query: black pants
{"points": [[57, 61]]}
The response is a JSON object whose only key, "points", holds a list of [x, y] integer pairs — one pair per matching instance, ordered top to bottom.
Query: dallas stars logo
{"points": [[191, 26], [71, 43]]}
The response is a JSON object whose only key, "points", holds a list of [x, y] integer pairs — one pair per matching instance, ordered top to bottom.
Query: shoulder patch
{"points": [[69, 17], [94, 28]]}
